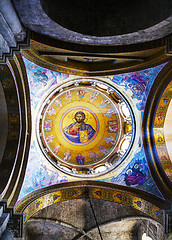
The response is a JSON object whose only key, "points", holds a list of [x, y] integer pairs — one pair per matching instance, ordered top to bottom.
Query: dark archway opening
{"points": [[106, 18]]}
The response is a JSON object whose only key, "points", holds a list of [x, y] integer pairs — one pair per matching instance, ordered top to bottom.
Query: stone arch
{"points": [[14, 83], [158, 104], [144, 202]]}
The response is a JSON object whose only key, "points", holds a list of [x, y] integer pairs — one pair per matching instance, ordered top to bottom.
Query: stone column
{"points": [[8, 12]]}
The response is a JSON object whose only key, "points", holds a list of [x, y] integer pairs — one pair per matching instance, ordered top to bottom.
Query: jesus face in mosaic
{"points": [[80, 116], [79, 131]]}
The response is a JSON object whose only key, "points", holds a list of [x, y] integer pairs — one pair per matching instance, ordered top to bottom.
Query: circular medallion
{"points": [[79, 125], [84, 126]]}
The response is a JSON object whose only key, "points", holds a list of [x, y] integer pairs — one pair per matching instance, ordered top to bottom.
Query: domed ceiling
{"points": [[88, 90], [86, 127]]}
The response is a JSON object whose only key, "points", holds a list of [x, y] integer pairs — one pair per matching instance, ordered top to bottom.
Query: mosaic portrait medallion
{"points": [[79, 125], [83, 128]]}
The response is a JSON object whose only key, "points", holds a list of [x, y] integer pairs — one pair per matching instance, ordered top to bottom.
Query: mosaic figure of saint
{"points": [[81, 93], [68, 95], [94, 96], [58, 102], [104, 103], [51, 111], [110, 112], [48, 125], [79, 131], [50, 138], [110, 140], [56, 149], [103, 150], [67, 156], [93, 156], [80, 159]]}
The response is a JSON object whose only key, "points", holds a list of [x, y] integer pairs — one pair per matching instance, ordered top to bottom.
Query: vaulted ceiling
{"points": [[90, 57]]}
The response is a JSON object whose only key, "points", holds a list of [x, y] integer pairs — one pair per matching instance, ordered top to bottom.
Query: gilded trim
{"points": [[144, 202]]}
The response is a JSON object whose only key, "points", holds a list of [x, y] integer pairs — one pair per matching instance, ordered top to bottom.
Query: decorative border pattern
{"points": [[158, 130], [153, 132], [38, 200]]}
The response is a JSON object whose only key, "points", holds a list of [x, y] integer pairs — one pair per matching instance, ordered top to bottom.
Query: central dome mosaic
{"points": [[85, 128]]}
